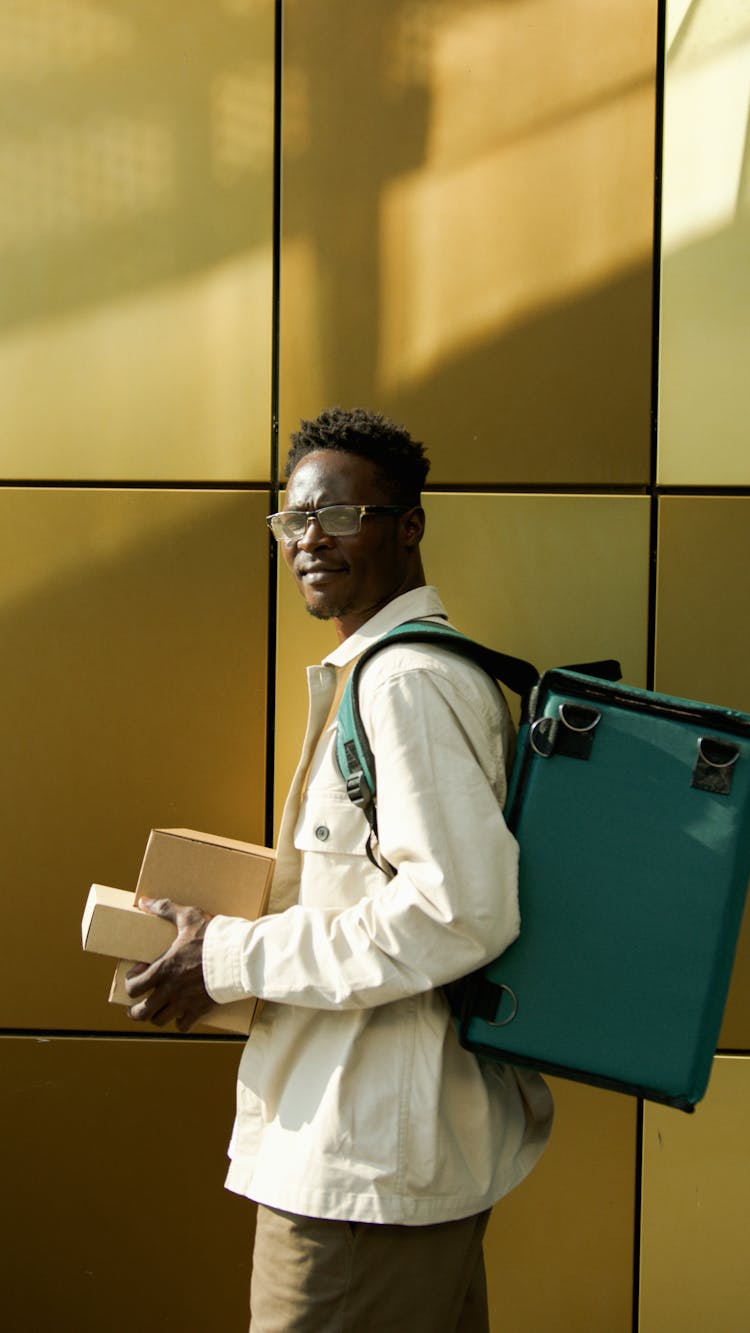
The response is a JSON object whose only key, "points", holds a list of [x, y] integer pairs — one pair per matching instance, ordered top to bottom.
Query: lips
{"points": [[319, 573]]}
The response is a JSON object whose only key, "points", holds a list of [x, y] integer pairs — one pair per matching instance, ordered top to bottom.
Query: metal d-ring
{"points": [[567, 709], [542, 736], [722, 747], [714, 766], [501, 1023]]}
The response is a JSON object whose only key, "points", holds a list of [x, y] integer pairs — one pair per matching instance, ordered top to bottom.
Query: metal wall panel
{"points": [[136, 159], [468, 218], [477, 264], [704, 387], [555, 578], [703, 631], [703, 645], [132, 682], [113, 1161], [696, 1181], [559, 1248]]}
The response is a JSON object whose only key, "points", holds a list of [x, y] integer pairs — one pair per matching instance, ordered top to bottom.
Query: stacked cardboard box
{"points": [[220, 875]]}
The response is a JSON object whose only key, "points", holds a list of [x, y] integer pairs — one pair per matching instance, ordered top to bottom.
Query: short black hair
{"points": [[400, 460]]}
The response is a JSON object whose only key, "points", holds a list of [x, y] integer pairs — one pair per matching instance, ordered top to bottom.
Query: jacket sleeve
{"points": [[452, 904]]}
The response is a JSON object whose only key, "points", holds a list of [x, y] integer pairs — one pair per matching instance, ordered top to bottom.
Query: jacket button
{"points": [[322, 832]]}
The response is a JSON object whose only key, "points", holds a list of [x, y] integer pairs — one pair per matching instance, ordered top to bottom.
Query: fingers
{"points": [[161, 907], [191, 919], [169, 968], [163, 974], [140, 979], [152, 986], [172, 987], [149, 1012], [160, 1012], [186, 1021]]}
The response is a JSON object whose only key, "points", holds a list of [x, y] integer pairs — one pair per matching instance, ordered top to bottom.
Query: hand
{"points": [[173, 985]]}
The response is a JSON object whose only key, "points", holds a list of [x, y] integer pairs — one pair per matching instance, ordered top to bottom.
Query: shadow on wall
{"points": [[467, 204], [468, 217], [561, 398], [133, 684]]}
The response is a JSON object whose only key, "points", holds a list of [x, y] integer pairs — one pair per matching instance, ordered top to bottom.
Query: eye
{"points": [[339, 520], [293, 523]]}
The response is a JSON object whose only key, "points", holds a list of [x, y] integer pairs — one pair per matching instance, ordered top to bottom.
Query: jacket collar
{"points": [[414, 605]]}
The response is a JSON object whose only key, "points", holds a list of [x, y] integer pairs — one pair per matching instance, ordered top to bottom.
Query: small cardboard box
{"points": [[221, 875], [112, 925]]}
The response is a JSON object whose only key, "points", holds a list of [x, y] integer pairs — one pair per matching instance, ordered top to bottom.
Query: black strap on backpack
{"points": [[354, 754]]}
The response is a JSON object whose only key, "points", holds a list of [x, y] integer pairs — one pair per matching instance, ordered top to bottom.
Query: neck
{"points": [[349, 622]]}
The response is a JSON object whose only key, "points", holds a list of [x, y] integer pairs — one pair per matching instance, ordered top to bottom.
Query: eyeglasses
{"points": [[335, 520]]}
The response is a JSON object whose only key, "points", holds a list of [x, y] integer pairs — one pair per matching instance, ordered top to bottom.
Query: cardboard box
{"points": [[221, 875], [112, 925], [237, 1016]]}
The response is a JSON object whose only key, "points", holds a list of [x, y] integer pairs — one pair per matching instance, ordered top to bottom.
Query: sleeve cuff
{"points": [[224, 942]]}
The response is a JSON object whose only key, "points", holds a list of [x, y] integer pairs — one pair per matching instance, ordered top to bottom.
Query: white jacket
{"points": [[355, 1099]]}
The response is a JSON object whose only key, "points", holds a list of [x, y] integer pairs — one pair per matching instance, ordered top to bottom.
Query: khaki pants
{"points": [[317, 1276]]}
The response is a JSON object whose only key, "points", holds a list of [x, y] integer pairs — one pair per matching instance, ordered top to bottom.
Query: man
{"points": [[374, 1144]]}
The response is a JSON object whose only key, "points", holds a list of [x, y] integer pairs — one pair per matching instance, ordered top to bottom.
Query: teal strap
{"points": [[353, 751]]}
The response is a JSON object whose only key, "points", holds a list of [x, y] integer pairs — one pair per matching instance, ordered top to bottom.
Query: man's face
{"points": [[348, 579]]}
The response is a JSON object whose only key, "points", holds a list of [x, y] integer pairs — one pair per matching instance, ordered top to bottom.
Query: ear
{"points": [[412, 527]]}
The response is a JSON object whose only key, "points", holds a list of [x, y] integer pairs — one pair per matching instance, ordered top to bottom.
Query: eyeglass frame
{"points": [[361, 512]]}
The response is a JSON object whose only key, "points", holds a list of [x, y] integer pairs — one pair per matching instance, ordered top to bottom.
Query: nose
{"points": [[313, 536]]}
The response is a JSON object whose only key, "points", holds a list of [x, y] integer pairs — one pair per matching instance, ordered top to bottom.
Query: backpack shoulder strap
{"points": [[353, 751]]}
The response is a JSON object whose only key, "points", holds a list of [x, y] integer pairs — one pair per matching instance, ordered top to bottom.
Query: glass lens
{"points": [[335, 520], [339, 520], [292, 525], [288, 527]]}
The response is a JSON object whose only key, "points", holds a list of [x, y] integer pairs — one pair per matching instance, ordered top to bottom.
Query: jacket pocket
{"points": [[328, 823], [331, 834]]}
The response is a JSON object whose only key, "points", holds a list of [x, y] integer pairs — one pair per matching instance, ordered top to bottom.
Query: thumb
{"points": [[159, 907]]}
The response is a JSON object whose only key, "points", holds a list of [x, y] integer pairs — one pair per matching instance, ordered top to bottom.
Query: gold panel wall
{"points": [[136, 196], [467, 229], [467, 245], [704, 386], [703, 629], [703, 645], [132, 682], [696, 1183], [115, 1215], [559, 1249], [693, 1269]]}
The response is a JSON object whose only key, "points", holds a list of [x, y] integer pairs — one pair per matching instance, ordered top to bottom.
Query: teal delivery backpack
{"points": [[632, 812]]}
